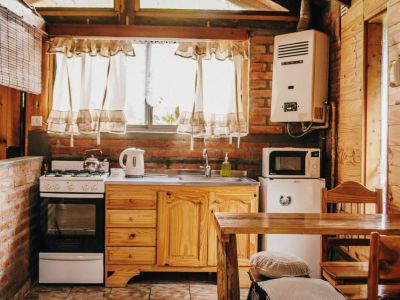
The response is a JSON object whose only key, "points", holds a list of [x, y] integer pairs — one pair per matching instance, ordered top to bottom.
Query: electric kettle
{"points": [[134, 163]]}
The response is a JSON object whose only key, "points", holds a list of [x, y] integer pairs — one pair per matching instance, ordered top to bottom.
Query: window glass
{"points": [[74, 3], [207, 5]]}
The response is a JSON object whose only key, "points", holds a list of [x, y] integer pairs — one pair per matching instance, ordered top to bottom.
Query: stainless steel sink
{"points": [[202, 178]]}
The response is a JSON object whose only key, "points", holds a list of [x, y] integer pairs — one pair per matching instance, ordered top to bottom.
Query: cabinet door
{"points": [[232, 202], [182, 228]]}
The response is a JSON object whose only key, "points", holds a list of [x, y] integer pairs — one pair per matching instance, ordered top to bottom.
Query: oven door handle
{"points": [[61, 195], [72, 257]]}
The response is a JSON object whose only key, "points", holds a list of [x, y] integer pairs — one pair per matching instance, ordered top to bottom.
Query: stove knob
{"points": [[47, 186], [70, 186], [56, 187], [85, 187], [93, 188]]}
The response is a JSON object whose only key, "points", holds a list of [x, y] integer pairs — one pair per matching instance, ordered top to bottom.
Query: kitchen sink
{"points": [[203, 178]]}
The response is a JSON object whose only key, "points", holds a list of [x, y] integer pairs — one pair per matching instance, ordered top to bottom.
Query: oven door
{"points": [[287, 163], [72, 223]]}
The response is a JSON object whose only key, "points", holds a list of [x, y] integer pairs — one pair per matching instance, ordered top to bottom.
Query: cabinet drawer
{"points": [[128, 199], [131, 218], [131, 237], [131, 255]]}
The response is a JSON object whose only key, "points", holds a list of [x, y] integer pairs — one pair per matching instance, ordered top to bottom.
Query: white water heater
{"points": [[300, 77]]}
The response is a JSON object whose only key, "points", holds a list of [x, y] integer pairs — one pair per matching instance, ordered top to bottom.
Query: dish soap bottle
{"points": [[226, 167]]}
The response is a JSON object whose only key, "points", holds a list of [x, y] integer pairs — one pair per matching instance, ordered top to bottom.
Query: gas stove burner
{"points": [[74, 173]]}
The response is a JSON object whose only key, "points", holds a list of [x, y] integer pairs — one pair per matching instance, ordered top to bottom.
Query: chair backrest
{"points": [[351, 192], [384, 262]]}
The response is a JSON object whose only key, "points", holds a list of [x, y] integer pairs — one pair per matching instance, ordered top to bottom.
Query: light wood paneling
{"points": [[373, 8], [394, 107], [373, 118], [9, 119], [351, 121]]}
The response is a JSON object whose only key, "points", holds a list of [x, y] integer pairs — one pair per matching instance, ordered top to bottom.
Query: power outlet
{"points": [[36, 121]]}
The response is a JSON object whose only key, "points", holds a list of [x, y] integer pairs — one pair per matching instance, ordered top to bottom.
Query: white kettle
{"points": [[134, 166]]}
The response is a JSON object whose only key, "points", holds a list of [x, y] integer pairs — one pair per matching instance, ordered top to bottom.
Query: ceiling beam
{"points": [[293, 6], [145, 31]]}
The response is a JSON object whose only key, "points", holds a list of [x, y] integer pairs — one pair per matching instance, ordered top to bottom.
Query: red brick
{"points": [[261, 40], [258, 49], [261, 58], [259, 67], [260, 75], [258, 84], [260, 93], [258, 102], [260, 111], [258, 120], [266, 129], [4, 173]]}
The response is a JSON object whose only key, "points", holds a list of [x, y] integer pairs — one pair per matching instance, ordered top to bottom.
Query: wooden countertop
{"points": [[308, 223]]}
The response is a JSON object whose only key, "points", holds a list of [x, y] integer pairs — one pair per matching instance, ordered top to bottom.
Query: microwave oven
{"points": [[291, 162]]}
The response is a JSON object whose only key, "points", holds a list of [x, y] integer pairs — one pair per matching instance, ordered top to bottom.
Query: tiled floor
{"points": [[160, 286]]}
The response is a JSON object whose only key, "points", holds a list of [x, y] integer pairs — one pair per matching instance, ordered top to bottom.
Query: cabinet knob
{"points": [[169, 193], [255, 195], [131, 201], [130, 219], [132, 236], [130, 255]]}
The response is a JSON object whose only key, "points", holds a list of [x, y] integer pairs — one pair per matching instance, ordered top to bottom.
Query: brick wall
{"points": [[172, 151], [19, 224]]}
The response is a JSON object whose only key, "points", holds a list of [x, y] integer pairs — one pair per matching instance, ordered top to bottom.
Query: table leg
{"points": [[221, 268], [227, 268], [232, 268]]}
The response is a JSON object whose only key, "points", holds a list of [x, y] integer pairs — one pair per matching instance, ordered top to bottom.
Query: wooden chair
{"points": [[348, 197], [384, 267]]}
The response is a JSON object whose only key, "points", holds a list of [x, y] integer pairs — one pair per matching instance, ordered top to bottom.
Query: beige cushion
{"points": [[277, 264], [299, 289]]}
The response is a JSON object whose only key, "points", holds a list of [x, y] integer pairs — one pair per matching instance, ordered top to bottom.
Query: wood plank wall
{"points": [[354, 94], [351, 104], [394, 107], [9, 119]]}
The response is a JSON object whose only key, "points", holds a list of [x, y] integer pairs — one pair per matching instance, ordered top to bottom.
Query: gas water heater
{"points": [[300, 77]]}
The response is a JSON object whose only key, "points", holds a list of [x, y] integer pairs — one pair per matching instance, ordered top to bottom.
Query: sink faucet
{"points": [[207, 167]]}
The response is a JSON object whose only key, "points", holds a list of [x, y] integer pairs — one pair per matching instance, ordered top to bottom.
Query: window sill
{"points": [[151, 128]]}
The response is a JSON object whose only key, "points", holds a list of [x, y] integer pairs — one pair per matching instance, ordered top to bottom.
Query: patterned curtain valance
{"points": [[76, 47], [222, 49]]}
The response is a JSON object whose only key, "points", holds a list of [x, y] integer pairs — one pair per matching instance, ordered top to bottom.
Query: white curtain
{"points": [[89, 95], [218, 106]]}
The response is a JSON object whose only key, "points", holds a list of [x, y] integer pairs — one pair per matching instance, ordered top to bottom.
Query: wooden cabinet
{"points": [[239, 201], [171, 228], [182, 228]]}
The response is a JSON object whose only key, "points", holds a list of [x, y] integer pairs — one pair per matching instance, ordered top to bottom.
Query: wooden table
{"points": [[230, 224]]}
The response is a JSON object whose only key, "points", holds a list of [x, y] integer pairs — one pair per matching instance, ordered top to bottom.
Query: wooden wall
{"points": [[351, 103], [394, 107], [9, 119]]}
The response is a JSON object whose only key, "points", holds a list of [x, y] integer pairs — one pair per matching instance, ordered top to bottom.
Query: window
{"points": [[73, 3], [227, 5], [160, 84], [198, 88]]}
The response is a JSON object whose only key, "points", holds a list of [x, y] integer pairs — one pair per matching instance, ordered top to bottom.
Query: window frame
{"points": [[81, 11], [216, 13], [150, 128]]}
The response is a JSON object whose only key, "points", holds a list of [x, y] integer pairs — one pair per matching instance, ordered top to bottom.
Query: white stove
{"points": [[70, 177], [72, 224]]}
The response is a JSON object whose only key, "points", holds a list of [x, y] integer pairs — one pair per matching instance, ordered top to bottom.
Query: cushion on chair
{"points": [[276, 264], [299, 289]]}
